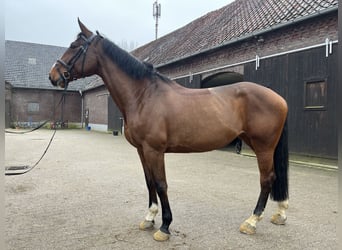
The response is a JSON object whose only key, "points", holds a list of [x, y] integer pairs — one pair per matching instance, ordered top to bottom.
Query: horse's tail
{"points": [[280, 186]]}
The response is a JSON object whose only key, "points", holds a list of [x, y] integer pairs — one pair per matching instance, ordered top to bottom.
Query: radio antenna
{"points": [[156, 14]]}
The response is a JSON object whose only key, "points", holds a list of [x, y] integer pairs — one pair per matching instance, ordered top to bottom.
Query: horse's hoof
{"points": [[278, 219], [146, 225], [247, 228], [161, 236]]}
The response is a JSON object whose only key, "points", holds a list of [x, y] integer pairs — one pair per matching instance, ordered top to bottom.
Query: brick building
{"points": [[30, 97]]}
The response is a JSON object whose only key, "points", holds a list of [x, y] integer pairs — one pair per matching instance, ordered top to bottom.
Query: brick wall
{"points": [[306, 33], [96, 101], [31, 106], [72, 107]]}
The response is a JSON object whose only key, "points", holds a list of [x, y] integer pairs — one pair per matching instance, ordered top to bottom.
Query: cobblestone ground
{"points": [[89, 192]]}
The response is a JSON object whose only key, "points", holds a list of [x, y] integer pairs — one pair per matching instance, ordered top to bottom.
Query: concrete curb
{"points": [[303, 163]]}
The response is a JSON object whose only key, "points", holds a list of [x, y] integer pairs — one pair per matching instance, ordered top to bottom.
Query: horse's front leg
{"points": [[155, 167], [148, 222]]}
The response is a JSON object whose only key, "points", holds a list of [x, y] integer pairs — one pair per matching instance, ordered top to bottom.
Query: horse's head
{"points": [[78, 61]]}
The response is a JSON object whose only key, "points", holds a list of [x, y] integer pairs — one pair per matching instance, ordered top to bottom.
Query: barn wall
{"points": [[308, 81], [8, 100], [96, 104], [29, 107], [72, 107], [115, 118]]}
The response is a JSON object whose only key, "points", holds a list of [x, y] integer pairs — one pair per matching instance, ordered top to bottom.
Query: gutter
{"points": [[253, 34]]}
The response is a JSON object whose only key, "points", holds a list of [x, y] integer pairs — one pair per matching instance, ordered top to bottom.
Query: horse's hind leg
{"points": [[267, 176], [279, 218]]}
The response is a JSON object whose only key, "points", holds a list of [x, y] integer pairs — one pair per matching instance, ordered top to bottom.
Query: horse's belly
{"points": [[200, 141]]}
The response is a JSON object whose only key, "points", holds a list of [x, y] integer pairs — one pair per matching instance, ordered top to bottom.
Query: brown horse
{"points": [[161, 116]]}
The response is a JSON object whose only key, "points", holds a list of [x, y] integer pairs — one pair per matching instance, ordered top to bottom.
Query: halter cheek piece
{"points": [[67, 75]]}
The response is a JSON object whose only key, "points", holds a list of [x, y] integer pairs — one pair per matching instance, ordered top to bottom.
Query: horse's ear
{"points": [[84, 29]]}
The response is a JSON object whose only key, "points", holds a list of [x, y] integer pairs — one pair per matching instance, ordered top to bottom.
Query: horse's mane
{"points": [[130, 64]]}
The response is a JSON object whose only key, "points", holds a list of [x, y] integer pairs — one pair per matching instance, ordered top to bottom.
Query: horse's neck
{"points": [[123, 89]]}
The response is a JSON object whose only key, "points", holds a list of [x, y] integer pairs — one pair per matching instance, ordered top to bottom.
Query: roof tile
{"points": [[233, 21], [27, 65]]}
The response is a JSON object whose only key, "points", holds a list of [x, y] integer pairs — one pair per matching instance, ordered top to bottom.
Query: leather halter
{"points": [[67, 75]]}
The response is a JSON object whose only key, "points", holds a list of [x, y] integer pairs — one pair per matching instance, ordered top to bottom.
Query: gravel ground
{"points": [[89, 192]]}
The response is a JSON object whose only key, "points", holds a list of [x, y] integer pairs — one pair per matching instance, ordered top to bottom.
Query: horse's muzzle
{"points": [[58, 78], [60, 82], [54, 83]]}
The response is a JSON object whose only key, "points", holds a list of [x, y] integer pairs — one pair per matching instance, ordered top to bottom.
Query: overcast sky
{"points": [[54, 22]]}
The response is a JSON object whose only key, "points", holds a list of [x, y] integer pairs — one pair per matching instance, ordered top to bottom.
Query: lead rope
{"points": [[19, 170]]}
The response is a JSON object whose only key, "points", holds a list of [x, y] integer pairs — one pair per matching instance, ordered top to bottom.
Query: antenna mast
{"points": [[156, 14]]}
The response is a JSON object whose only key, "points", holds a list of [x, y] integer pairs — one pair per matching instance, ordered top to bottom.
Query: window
{"points": [[32, 61], [315, 95], [33, 107]]}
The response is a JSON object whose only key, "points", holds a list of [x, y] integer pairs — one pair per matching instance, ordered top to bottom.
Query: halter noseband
{"points": [[66, 76]]}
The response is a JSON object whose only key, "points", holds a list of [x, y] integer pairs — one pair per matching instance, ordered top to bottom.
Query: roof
{"points": [[230, 23], [27, 65], [95, 83]]}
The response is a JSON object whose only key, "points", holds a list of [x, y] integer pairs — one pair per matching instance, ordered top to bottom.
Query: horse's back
{"points": [[253, 94]]}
